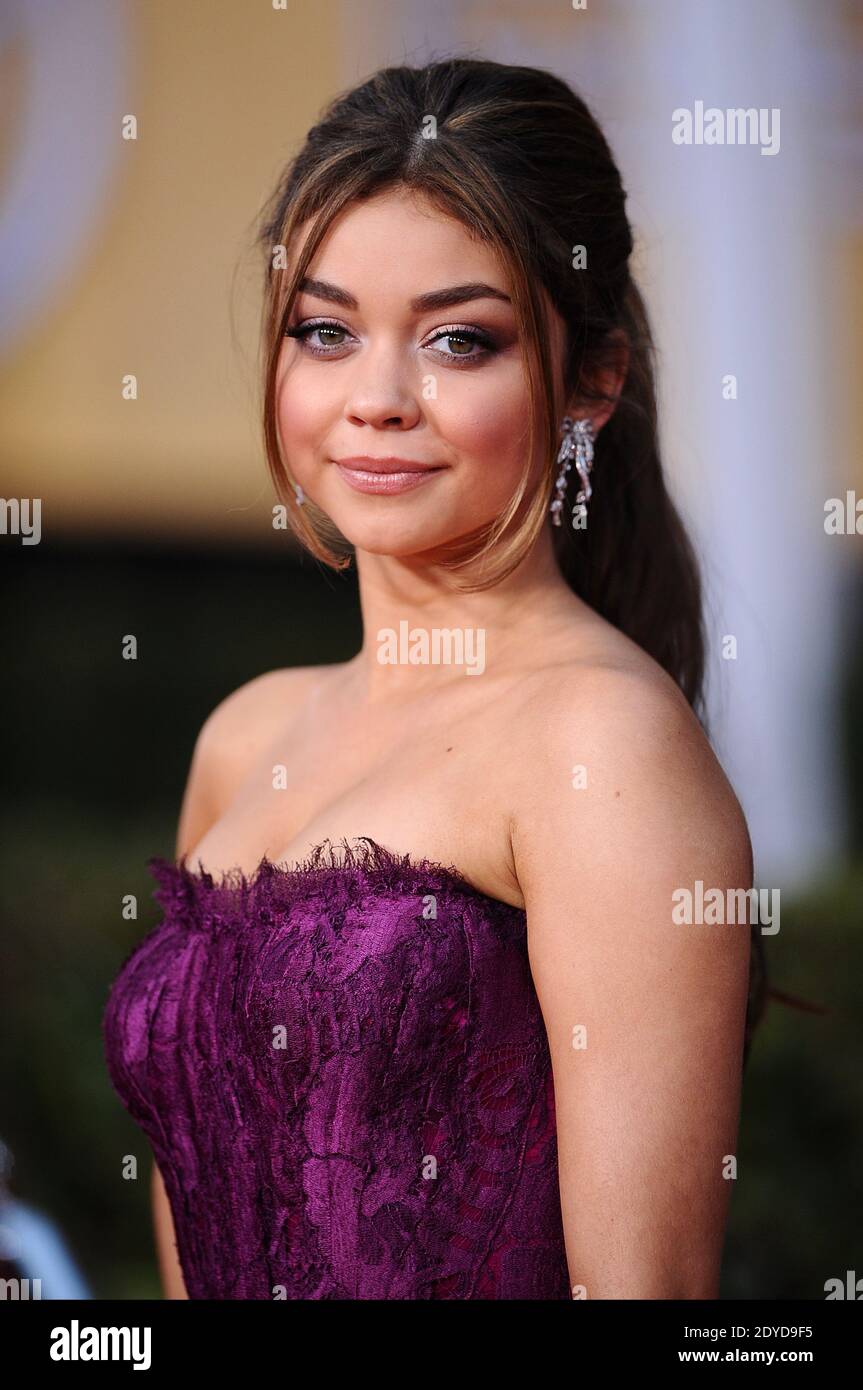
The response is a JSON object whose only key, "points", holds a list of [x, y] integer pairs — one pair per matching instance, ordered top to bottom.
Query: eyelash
{"points": [[474, 335]]}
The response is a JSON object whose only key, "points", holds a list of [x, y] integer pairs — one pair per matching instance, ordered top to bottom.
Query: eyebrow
{"points": [[434, 299]]}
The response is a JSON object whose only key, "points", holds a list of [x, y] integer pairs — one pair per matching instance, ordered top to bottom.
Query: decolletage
{"points": [[343, 1073]]}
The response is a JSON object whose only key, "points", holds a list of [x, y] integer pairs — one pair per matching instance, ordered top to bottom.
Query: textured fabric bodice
{"points": [[343, 1073]]}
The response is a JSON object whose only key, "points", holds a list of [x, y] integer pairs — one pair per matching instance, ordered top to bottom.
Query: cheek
{"points": [[295, 415], [302, 422], [488, 429]]}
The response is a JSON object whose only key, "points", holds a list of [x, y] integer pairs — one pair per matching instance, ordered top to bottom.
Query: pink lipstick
{"points": [[385, 475]]}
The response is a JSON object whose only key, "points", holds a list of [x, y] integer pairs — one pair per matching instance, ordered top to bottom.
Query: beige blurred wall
{"points": [[222, 93], [169, 288]]}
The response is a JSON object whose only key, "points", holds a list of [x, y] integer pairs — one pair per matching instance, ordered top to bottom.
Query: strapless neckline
{"points": [[376, 861], [343, 1072]]}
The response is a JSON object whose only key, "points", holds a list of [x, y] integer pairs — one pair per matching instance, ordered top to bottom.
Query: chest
{"points": [[431, 787], [263, 990]]}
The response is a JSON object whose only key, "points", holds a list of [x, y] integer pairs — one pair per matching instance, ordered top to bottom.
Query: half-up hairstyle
{"points": [[518, 159]]}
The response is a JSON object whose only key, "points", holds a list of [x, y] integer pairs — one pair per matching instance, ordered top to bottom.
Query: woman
{"points": [[470, 1054]]}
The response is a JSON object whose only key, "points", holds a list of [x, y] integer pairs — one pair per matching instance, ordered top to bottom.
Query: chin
{"points": [[383, 526], [382, 540]]}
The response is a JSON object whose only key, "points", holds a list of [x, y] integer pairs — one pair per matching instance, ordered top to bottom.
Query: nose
{"points": [[381, 392]]}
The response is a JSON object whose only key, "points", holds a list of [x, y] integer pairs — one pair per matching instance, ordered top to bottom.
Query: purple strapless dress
{"points": [[343, 1073]]}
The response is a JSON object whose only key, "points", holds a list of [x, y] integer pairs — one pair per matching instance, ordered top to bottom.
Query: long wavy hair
{"points": [[514, 155]]}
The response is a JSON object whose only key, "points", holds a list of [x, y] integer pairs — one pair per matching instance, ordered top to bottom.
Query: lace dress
{"points": [[343, 1073]]}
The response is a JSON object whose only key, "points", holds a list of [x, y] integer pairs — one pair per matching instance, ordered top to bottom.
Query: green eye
{"points": [[303, 331], [333, 336], [470, 337]]}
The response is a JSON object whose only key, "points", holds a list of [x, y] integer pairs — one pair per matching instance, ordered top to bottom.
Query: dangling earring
{"points": [[577, 444], [299, 495]]}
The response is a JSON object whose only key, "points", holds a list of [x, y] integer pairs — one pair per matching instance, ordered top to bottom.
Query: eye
{"points": [[321, 325], [303, 331], [333, 337], [459, 338]]}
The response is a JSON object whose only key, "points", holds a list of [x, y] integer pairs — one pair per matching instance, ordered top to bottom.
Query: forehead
{"points": [[398, 244]]}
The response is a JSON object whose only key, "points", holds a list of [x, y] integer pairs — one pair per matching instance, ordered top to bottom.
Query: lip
{"points": [[364, 463], [385, 475]]}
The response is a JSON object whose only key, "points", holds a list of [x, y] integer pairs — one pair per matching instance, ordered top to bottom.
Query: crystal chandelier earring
{"points": [[578, 445]]}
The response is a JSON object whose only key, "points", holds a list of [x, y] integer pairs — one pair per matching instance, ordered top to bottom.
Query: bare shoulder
{"points": [[253, 713], [233, 736], [612, 752], [621, 802]]}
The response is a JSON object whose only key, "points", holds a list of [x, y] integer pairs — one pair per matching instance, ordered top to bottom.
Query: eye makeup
{"points": [[457, 333]]}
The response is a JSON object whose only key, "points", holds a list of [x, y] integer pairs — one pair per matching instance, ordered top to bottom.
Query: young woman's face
{"points": [[377, 374]]}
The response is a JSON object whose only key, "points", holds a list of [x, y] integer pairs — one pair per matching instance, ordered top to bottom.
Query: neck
{"points": [[421, 633]]}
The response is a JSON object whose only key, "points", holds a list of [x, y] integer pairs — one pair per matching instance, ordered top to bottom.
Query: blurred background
{"points": [[123, 256]]}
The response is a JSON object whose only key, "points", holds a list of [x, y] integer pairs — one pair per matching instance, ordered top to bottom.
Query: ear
{"points": [[607, 377]]}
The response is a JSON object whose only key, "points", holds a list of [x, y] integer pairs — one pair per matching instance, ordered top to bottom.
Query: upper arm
{"points": [[645, 1018], [170, 1268]]}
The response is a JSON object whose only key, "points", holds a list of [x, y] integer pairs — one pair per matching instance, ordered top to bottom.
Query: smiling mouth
{"points": [[364, 464], [385, 476]]}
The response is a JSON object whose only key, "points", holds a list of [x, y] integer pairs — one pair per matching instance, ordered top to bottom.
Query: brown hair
{"points": [[519, 160]]}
